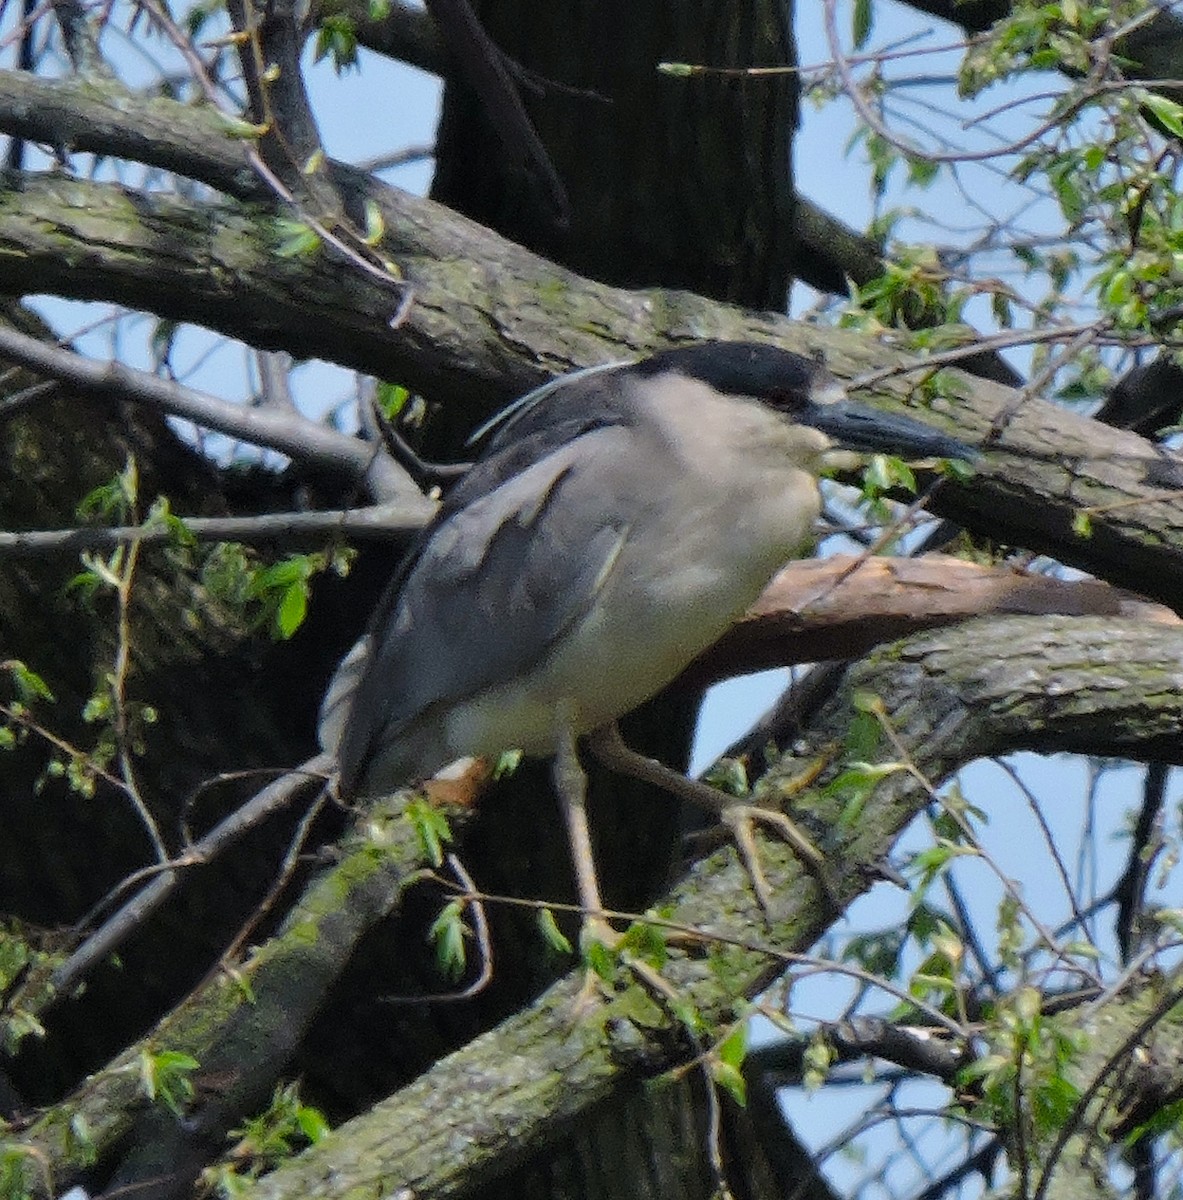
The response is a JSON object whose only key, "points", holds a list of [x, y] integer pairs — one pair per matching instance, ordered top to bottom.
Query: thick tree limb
{"points": [[101, 116], [488, 314], [489, 320], [842, 606], [950, 696], [244, 1025]]}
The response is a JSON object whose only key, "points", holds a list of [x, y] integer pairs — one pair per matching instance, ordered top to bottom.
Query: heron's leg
{"points": [[609, 747], [571, 786]]}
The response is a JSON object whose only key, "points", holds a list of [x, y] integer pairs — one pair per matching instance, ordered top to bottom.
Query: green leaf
{"points": [[863, 22], [337, 37], [1166, 112], [238, 128], [922, 171], [375, 224], [297, 240], [392, 399], [957, 469], [885, 471], [114, 499], [161, 516], [1082, 523], [281, 574], [292, 610], [29, 685], [507, 763], [858, 774], [432, 828], [447, 935], [554, 936], [647, 942], [1082, 950], [600, 959], [687, 1013], [734, 1049], [819, 1056], [164, 1077], [731, 1080], [1167, 1120], [312, 1123]]}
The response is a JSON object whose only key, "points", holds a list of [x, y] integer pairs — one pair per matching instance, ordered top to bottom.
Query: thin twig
{"points": [[288, 433], [378, 522], [121, 723], [1037, 812], [287, 869], [1009, 886], [133, 914], [810, 964], [1115, 1060]]}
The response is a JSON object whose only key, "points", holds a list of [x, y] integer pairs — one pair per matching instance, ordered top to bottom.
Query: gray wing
{"points": [[494, 585]]}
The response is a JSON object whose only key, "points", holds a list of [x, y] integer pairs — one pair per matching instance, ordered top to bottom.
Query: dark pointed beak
{"points": [[858, 427]]}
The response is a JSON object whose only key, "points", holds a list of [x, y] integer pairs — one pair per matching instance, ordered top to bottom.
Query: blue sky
{"points": [[357, 128]]}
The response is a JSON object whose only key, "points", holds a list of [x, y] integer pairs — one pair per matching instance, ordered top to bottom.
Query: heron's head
{"points": [[804, 392]]}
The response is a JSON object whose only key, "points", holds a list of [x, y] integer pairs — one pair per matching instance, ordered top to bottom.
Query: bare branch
{"points": [[100, 116], [288, 433], [380, 522], [840, 607], [948, 692], [133, 914], [915, 1048]]}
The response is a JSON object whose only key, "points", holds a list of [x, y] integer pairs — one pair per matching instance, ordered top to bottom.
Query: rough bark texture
{"points": [[682, 183], [664, 197], [467, 335], [950, 696]]}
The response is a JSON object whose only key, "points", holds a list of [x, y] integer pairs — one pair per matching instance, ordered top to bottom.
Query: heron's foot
{"points": [[741, 819]]}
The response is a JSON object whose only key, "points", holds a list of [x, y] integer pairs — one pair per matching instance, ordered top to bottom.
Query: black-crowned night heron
{"points": [[617, 522]]}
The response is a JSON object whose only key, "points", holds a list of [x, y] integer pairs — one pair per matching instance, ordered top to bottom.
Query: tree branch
{"points": [[101, 116], [478, 334], [288, 432], [381, 522], [842, 606], [951, 697]]}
